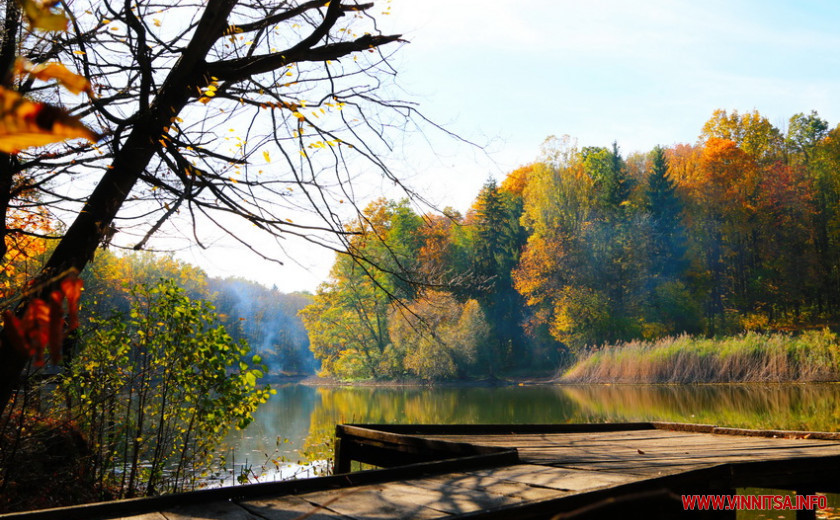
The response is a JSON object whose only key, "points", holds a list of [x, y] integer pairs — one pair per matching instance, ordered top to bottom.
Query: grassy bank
{"points": [[751, 357]]}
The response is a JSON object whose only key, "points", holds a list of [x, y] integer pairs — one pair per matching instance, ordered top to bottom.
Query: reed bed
{"points": [[750, 357]]}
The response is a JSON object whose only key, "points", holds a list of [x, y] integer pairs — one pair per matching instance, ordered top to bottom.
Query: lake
{"points": [[292, 433]]}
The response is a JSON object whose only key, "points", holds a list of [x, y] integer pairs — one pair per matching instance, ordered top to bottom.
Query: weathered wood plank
{"points": [[472, 430], [570, 438], [648, 455], [632, 472], [562, 479], [469, 485], [453, 500], [371, 502], [289, 508], [213, 510], [146, 516]]}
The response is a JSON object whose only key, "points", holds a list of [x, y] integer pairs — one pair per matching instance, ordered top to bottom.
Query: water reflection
{"points": [[762, 406], [307, 416], [273, 445]]}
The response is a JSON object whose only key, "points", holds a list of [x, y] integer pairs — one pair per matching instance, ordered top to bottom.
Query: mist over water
{"points": [[267, 319]]}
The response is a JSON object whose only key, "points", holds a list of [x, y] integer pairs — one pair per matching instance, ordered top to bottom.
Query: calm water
{"points": [[297, 421], [292, 433]]}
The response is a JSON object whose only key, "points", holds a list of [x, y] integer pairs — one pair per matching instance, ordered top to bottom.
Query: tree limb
{"points": [[242, 68]]}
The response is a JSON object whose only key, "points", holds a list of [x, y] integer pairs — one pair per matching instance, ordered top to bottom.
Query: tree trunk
{"points": [[93, 223]]}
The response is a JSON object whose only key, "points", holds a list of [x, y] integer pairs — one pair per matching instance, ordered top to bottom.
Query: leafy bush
{"points": [[155, 391]]}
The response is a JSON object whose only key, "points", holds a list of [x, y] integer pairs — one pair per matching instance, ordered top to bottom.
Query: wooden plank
{"points": [[472, 430], [723, 430], [568, 438], [668, 439], [409, 442], [627, 446], [386, 449], [641, 454], [644, 454], [634, 472], [561, 479], [456, 484], [636, 495], [456, 501], [371, 502], [289, 508], [220, 510], [146, 516]]}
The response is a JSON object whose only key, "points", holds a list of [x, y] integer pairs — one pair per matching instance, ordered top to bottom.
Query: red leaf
{"points": [[72, 289], [36, 326], [56, 326], [13, 330]]}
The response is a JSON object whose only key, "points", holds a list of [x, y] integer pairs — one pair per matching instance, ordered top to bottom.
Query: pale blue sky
{"points": [[510, 73], [642, 73]]}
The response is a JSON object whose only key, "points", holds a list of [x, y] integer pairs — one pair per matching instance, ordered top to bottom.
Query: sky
{"points": [[505, 75]]}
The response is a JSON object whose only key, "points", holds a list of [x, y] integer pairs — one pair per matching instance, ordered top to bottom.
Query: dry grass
{"points": [[750, 357]]}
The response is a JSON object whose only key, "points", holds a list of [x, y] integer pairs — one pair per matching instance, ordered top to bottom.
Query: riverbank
{"points": [[808, 356], [812, 356], [541, 378]]}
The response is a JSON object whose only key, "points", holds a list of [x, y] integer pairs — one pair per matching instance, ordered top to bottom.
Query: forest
{"points": [[587, 247]]}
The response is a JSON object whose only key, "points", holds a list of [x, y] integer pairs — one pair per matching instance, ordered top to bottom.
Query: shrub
{"points": [[155, 391]]}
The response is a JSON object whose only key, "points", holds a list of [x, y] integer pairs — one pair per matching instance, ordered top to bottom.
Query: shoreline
{"points": [[314, 380], [317, 381]]}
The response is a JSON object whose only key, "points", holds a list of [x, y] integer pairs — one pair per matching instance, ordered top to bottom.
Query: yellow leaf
{"points": [[40, 15], [71, 81], [25, 123], [266, 156]]}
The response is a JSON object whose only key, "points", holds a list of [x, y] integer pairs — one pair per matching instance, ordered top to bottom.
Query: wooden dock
{"points": [[513, 471]]}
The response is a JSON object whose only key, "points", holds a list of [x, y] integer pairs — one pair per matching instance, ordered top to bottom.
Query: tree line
{"points": [[585, 247]]}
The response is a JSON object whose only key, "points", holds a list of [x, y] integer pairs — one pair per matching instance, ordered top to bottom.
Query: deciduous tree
{"points": [[211, 110]]}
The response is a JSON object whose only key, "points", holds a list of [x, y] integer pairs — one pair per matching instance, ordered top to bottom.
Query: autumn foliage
{"points": [[587, 246], [42, 328]]}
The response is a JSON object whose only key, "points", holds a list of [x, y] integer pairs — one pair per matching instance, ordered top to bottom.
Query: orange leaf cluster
{"points": [[40, 15], [47, 71], [25, 123], [42, 326]]}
